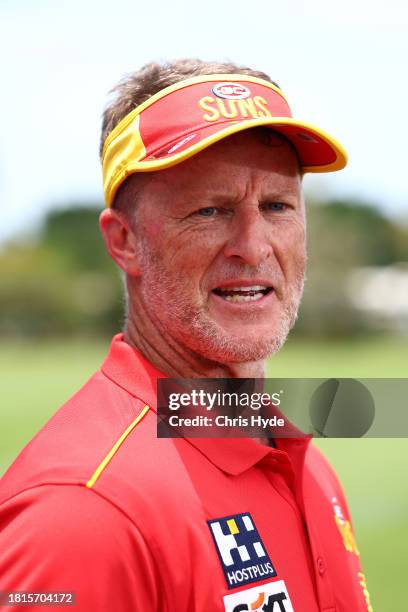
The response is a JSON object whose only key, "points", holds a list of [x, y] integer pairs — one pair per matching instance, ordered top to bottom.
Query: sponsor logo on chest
{"points": [[243, 556], [270, 597]]}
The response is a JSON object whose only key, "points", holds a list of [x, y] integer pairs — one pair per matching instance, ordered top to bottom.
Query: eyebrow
{"points": [[217, 192]]}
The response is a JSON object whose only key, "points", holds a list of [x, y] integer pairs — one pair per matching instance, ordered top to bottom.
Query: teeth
{"points": [[253, 288], [243, 298]]}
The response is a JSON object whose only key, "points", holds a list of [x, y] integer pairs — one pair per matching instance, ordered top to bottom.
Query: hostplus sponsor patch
{"points": [[242, 553]]}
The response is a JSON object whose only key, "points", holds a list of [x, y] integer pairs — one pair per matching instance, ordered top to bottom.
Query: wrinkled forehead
{"points": [[259, 155], [257, 161], [243, 166]]}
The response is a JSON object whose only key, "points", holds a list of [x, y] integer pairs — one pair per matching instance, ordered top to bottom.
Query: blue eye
{"points": [[275, 206], [207, 212]]}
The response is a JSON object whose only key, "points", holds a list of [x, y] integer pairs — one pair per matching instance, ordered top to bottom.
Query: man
{"points": [[202, 177]]}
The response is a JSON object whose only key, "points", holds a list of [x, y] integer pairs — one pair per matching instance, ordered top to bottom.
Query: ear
{"points": [[120, 241]]}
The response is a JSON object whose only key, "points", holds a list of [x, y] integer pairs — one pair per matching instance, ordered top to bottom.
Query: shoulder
{"points": [[104, 439], [71, 445], [317, 463], [321, 479], [71, 515]]}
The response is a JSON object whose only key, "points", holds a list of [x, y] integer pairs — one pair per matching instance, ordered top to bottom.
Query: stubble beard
{"points": [[169, 303]]}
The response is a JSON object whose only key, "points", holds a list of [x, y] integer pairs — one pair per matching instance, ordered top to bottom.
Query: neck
{"points": [[176, 360]]}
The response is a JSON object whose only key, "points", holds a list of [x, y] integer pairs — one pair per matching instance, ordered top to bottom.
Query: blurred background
{"points": [[60, 295]]}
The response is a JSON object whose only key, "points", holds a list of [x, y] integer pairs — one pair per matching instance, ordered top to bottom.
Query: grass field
{"points": [[37, 378]]}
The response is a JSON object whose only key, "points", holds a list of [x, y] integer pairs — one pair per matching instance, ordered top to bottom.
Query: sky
{"points": [[342, 65]]}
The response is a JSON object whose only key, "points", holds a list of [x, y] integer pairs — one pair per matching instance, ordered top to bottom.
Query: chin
{"points": [[237, 344], [225, 348], [250, 352]]}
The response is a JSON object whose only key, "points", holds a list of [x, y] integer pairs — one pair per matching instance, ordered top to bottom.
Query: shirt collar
{"points": [[128, 368], [236, 455]]}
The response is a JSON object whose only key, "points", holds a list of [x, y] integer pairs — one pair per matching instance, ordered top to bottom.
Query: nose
{"points": [[250, 239]]}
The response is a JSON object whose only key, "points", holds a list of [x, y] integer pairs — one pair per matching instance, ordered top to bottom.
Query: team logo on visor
{"points": [[231, 91], [240, 549]]}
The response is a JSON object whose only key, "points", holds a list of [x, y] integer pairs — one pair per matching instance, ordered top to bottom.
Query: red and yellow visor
{"points": [[185, 118]]}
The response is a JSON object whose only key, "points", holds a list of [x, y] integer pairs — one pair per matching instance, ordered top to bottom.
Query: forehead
{"points": [[258, 155]]}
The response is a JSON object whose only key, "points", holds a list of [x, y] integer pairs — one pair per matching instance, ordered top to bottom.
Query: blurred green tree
{"points": [[73, 235], [343, 235], [63, 282]]}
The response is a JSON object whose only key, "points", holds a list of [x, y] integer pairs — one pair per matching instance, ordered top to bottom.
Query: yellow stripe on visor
{"points": [[185, 118], [125, 148]]}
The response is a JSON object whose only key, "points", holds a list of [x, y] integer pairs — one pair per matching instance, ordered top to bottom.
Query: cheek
{"points": [[153, 229], [150, 232], [291, 247], [298, 250], [190, 252]]}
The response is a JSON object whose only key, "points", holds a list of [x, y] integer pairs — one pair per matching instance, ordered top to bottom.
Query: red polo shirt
{"points": [[97, 505]]}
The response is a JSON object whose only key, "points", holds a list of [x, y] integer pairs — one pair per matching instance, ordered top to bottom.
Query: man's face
{"points": [[222, 249]]}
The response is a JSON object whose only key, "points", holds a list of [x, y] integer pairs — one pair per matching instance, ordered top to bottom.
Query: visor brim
{"points": [[317, 151]]}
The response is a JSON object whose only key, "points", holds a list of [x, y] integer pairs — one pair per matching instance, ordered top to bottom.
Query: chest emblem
{"points": [[344, 527], [240, 549], [269, 597]]}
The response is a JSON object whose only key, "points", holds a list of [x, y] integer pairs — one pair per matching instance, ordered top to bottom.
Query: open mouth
{"points": [[243, 294]]}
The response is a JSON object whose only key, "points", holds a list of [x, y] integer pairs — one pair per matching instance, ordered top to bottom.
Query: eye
{"points": [[275, 206], [209, 211]]}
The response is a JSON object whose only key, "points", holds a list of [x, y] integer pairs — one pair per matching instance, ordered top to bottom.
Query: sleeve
{"points": [[69, 538]]}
